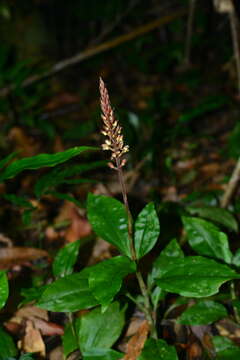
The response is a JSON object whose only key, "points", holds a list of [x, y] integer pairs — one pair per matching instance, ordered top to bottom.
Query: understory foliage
{"points": [[198, 271]]}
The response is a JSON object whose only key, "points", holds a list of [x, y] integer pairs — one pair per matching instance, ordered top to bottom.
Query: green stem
{"points": [[234, 297], [148, 310]]}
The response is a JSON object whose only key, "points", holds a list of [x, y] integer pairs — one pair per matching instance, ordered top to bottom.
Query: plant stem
{"points": [[233, 23], [231, 186], [125, 200], [142, 285], [234, 297], [149, 313]]}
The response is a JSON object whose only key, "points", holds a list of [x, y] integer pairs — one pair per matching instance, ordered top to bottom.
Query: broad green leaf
{"points": [[42, 160], [60, 175], [215, 214], [109, 220], [146, 230], [206, 239], [168, 256], [236, 258], [65, 259], [195, 276], [103, 284], [3, 289], [32, 294], [68, 294], [203, 313], [97, 330], [69, 340], [7, 346], [225, 348], [158, 350], [102, 354]]}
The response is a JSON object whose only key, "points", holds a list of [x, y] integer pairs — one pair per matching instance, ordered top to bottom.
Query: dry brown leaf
{"points": [[211, 169], [79, 226], [6, 240], [101, 251], [13, 256], [28, 311], [39, 318], [135, 323], [47, 328], [229, 328], [32, 341], [136, 343], [194, 351], [56, 354]]}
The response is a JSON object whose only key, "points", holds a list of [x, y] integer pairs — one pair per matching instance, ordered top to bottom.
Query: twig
{"points": [[233, 23], [90, 52], [231, 186]]}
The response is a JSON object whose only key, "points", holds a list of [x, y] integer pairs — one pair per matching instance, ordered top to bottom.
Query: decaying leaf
{"points": [[79, 226], [12, 256], [39, 318], [32, 341], [136, 343]]}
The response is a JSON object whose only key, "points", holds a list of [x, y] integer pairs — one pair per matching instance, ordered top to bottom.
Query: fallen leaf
{"points": [[79, 226], [12, 256], [39, 318], [32, 341], [136, 343], [56, 354]]}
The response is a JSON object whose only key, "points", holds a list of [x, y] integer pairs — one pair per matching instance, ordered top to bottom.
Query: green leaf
{"points": [[209, 104], [7, 159], [42, 160], [60, 175], [66, 197], [18, 201], [215, 214], [109, 220], [147, 230], [206, 239], [168, 256], [236, 258], [65, 259], [195, 276], [103, 284], [4, 291], [32, 294], [68, 294], [157, 295], [203, 313], [97, 330], [69, 340], [7, 346], [225, 348], [158, 350], [102, 354], [27, 356]]}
